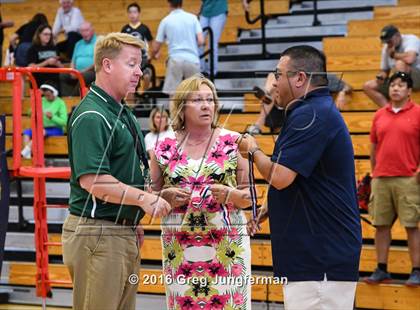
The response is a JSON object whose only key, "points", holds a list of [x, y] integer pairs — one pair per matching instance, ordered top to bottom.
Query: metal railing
{"points": [[263, 19], [210, 52]]}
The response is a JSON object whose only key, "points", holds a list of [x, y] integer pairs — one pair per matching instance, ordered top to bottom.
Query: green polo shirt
{"points": [[100, 142]]}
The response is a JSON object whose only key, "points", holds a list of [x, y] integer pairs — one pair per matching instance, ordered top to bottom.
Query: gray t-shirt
{"points": [[179, 29], [409, 42]]}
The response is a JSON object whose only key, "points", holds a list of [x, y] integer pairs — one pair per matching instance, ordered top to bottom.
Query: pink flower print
{"points": [[227, 142], [165, 148], [218, 156], [177, 159], [196, 183], [212, 205], [233, 234], [216, 235], [167, 237], [183, 237], [199, 268], [216, 269], [186, 270], [236, 270], [238, 299], [171, 302], [186, 302], [218, 302]]}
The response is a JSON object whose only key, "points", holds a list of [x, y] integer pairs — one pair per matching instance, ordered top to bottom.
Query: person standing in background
{"points": [[213, 14]]}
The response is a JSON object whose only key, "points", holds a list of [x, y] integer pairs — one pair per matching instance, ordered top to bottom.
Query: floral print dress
{"points": [[206, 249]]}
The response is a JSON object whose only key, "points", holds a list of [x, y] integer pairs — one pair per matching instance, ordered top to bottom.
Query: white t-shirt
{"points": [[69, 22], [409, 42], [151, 138]]}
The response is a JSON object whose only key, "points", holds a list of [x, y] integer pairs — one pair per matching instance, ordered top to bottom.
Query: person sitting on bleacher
{"points": [[68, 21], [21, 40], [401, 52], [44, 53], [82, 61], [272, 116], [54, 118], [159, 128], [395, 160]]}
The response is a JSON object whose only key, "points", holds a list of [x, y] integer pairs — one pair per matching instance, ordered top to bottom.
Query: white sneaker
{"points": [[26, 152]]}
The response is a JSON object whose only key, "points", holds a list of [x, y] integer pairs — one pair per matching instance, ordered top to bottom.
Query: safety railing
{"points": [[210, 51], [37, 171]]}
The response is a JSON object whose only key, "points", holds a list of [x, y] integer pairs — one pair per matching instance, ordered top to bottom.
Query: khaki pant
{"points": [[392, 196], [101, 256], [319, 295]]}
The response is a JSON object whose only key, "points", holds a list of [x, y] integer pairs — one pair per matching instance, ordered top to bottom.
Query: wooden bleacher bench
{"points": [[401, 12], [372, 28]]}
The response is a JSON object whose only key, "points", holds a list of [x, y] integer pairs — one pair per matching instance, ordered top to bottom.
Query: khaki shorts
{"points": [[176, 71], [392, 197]]}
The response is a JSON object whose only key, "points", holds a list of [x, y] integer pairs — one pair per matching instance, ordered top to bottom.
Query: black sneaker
{"points": [[378, 276], [414, 279]]}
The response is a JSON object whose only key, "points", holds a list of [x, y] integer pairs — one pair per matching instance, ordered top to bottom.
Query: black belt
{"points": [[120, 221]]}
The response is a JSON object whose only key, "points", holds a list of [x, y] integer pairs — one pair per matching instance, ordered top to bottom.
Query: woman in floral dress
{"points": [[206, 249]]}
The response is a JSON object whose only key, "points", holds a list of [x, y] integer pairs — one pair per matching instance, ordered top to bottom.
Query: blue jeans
{"points": [[216, 23], [49, 132]]}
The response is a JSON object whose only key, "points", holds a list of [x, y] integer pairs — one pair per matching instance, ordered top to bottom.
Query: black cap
{"points": [[387, 33], [405, 77]]}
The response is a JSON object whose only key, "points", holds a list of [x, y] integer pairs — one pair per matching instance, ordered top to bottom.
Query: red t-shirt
{"points": [[397, 139]]}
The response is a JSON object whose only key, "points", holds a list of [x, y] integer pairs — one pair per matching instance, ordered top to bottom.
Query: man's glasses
{"points": [[277, 73]]}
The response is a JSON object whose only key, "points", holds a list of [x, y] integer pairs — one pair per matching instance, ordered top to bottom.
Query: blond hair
{"points": [[110, 46], [182, 93], [163, 113]]}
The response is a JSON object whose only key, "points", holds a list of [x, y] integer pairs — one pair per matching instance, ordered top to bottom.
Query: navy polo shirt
{"points": [[314, 222]]}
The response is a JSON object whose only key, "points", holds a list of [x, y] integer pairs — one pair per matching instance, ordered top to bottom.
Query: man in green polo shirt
{"points": [[108, 172]]}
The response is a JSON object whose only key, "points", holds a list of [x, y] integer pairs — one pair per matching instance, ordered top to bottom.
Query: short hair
{"points": [[175, 3], [134, 5], [36, 39], [110, 46], [310, 60], [405, 77], [183, 91], [163, 113]]}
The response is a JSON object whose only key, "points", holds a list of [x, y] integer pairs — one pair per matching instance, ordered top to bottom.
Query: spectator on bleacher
{"points": [[213, 14], [68, 21], [3, 24], [139, 30], [182, 32], [21, 40], [401, 52], [44, 53], [82, 61], [54, 112], [272, 116], [159, 128], [395, 160], [108, 183], [312, 206], [205, 235]]}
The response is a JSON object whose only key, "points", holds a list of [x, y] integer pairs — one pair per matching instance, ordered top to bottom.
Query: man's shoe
{"points": [[378, 276], [414, 279]]}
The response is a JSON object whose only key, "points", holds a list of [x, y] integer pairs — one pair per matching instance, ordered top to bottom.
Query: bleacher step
{"points": [[308, 6], [325, 19], [295, 33]]}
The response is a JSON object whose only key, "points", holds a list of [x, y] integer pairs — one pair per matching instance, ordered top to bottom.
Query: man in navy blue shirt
{"points": [[312, 206]]}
